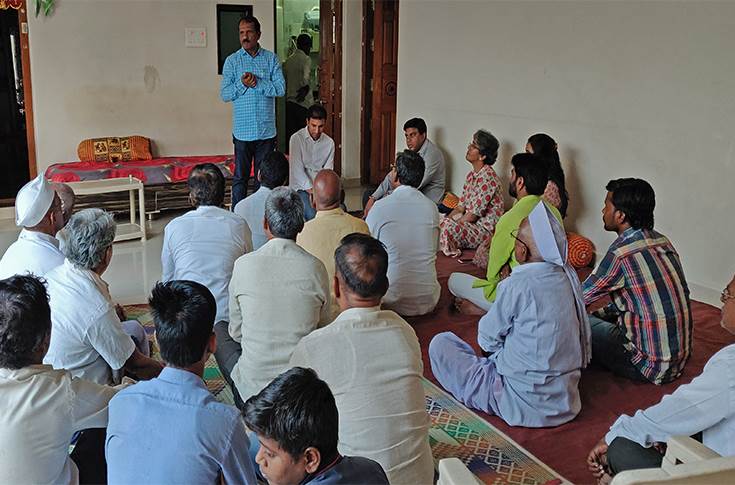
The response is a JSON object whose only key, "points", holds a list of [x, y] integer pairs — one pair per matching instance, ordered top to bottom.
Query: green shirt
{"points": [[502, 243]]}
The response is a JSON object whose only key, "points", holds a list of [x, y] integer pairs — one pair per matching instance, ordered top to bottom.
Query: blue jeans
{"points": [[247, 152], [309, 211], [608, 349]]}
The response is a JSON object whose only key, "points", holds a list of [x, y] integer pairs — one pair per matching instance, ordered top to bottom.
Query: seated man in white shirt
{"points": [[310, 150], [273, 173], [432, 183], [38, 211], [407, 223], [203, 244], [278, 294], [88, 338], [371, 360], [705, 406], [43, 408]]}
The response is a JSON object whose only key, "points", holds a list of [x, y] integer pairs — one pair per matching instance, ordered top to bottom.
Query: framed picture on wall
{"points": [[228, 20]]}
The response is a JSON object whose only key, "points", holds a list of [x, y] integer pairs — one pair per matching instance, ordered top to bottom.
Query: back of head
{"points": [[303, 42], [316, 112], [417, 123], [488, 146], [545, 147], [410, 168], [274, 170], [534, 170], [206, 185], [327, 189], [66, 194], [636, 199], [284, 213], [88, 235], [361, 262], [184, 313], [25, 321], [296, 410]]}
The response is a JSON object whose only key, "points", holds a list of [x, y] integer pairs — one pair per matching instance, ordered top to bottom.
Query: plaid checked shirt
{"points": [[253, 109], [643, 275]]}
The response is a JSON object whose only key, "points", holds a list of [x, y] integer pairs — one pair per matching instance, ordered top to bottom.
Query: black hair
{"points": [[249, 19], [303, 42], [316, 112], [417, 123], [545, 147], [410, 168], [533, 169], [274, 170], [206, 185], [636, 199], [362, 262], [183, 313], [25, 320], [297, 411]]}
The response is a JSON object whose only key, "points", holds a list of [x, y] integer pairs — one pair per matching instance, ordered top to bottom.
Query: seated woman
{"points": [[555, 194], [481, 205], [706, 405]]}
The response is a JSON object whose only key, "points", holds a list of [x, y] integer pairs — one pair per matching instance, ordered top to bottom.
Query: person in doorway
{"points": [[299, 97]]}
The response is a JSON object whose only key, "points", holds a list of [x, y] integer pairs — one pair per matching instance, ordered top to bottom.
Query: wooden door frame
{"points": [[25, 60], [333, 63], [366, 91]]}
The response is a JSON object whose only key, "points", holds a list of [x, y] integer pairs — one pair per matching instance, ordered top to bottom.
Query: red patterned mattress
{"points": [[150, 172]]}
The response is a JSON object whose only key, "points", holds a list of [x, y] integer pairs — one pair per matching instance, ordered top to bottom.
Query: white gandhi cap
{"points": [[33, 202]]}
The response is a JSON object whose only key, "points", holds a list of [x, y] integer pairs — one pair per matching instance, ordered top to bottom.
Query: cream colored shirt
{"points": [[321, 237], [34, 252], [278, 294], [371, 360], [41, 410]]}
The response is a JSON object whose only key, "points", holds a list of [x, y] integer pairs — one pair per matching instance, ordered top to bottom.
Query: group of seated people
{"points": [[305, 319]]}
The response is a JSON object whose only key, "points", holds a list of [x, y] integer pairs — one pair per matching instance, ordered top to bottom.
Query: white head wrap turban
{"points": [[551, 241]]}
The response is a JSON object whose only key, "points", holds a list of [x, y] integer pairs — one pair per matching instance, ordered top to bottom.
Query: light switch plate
{"points": [[196, 37]]}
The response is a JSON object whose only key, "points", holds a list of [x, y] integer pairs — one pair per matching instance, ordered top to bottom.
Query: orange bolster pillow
{"points": [[115, 149], [581, 250]]}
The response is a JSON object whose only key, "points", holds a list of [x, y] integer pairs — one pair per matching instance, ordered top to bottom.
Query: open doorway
{"points": [[17, 152]]}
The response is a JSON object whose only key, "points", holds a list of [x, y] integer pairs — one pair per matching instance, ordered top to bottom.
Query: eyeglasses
{"points": [[514, 235], [726, 295]]}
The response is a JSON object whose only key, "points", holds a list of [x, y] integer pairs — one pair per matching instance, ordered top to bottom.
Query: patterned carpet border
{"points": [[455, 430]]}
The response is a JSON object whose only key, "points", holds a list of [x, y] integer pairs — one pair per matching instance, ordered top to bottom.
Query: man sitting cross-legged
{"points": [[273, 173], [528, 178], [407, 223], [322, 235], [203, 244], [278, 294], [646, 333], [536, 336], [88, 338], [371, 360], [706, 405], [43, 408], [296, 422], [171, 429]]}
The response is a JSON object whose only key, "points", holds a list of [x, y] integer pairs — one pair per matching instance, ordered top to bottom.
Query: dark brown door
{"points": [[330, 72], [379, 114]]}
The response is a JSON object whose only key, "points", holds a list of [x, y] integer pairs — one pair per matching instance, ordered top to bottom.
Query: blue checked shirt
{"points": [[253, 109]]}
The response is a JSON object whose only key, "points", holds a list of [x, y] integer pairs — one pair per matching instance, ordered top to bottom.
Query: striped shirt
{"points": [[253, 109], [643, 275]]}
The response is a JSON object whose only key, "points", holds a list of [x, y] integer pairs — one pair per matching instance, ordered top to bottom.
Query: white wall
{"points": [[120, 67], [640, 89]]}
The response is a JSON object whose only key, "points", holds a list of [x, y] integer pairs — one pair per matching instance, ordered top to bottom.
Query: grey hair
{"points": [[487, 144], [284, 212], [87, 236]]}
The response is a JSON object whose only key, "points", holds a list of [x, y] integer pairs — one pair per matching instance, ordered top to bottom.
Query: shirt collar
{"points": [[245, 53], [307, 137], [424, 147], [208, 209], [330, 212], [38, 236], [90, 275], [356, 311], [24, 372], [180, 376]]}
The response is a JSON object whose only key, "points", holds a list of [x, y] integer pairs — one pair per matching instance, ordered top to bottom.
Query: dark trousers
{"points": [[295, 118], [247, 152], [608, 349], [227, 354], [624, 454], [89, 456]]}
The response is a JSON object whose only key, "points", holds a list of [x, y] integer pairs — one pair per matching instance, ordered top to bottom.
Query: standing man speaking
{"points": [[251, 80]]}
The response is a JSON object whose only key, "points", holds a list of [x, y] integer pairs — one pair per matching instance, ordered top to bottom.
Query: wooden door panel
{"points": [[330, 72]]}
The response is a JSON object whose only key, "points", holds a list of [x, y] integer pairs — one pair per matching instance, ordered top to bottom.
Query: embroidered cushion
{"points": [[115, 149]]}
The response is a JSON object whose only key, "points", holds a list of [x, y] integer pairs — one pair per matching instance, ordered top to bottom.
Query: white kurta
{"points": [[307, 157], [252, 209], [407, 223], [202, 246], [33, 252], [278, 294], [87, 337], [371, 360], [42, 409]]}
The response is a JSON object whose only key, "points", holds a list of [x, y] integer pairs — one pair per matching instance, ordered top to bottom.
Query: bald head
{"points": [[327, 190], [66, 194], [525, 243]]}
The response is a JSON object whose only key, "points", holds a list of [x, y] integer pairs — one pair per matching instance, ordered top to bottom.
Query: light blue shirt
{"points": [[253, 109], [252, 209], [532, 331], [172, 430]]}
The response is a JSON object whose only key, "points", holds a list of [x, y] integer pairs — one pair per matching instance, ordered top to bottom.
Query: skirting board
{"points": [[705, 294]]}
